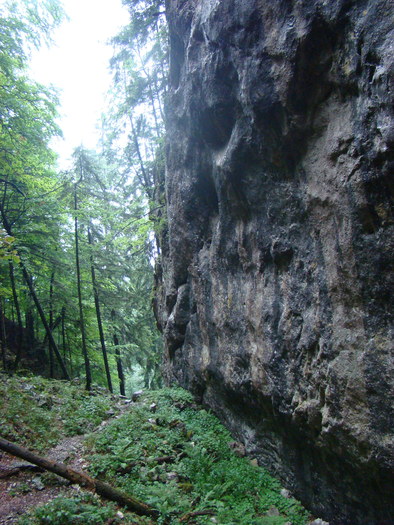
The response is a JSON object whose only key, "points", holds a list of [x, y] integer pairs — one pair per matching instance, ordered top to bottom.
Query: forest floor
{"points": [[163, 449], [22, 487]]}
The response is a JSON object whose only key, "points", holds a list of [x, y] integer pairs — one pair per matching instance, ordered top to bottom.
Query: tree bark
{"points": [[29, 283], [18, 316], [98, 316], [81, 318], [43, 320], [3, 336], [50, 349], [119, 366], [101, 488]]}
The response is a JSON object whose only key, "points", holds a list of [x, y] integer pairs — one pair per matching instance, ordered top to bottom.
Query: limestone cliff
{"points": [[274, 297]]}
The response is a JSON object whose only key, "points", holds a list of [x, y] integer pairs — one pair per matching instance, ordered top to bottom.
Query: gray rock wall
{"points": [[275, 292]]}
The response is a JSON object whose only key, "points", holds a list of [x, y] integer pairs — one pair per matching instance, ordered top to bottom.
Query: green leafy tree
{"points": [[140, 69], [27, 123], [77, 248], [118, 248]]}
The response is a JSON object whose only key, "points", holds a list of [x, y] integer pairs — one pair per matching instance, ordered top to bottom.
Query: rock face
{"points": [[274, 292]]}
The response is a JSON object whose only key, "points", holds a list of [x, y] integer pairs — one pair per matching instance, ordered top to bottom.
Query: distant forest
{"points": [[78, 247]]}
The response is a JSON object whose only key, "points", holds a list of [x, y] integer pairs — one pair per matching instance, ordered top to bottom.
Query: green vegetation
{"points": [[77, 248], [37, 413], [163, 449], [176, 457], [84, 509]]}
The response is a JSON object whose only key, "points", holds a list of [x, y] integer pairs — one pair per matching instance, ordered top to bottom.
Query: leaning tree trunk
{"points": [[37, 303], [44, 321]]}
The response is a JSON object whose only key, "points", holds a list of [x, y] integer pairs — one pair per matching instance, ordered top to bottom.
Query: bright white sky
{"points": [[77, 64]]}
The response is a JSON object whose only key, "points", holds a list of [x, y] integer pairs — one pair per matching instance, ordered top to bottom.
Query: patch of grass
{"points": [[37, 412], [176, 457]]}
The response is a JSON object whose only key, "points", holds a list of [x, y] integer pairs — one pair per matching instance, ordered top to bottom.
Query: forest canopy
{"points": [[78, 246]]}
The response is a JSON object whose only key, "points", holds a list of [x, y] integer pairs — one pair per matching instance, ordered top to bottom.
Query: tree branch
{"points": [[13, 185]]}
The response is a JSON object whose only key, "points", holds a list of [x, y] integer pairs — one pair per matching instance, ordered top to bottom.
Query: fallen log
{"points": [[79, 478]]}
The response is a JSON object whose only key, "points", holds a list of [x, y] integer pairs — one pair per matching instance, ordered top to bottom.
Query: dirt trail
{"points": [[22, 488]]}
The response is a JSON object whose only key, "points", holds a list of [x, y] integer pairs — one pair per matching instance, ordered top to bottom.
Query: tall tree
{"points": [[140, 66], [27, 122], [110, 248], [34, 296], [18, 315], [98, 315], [3, 336], [88, 373]]}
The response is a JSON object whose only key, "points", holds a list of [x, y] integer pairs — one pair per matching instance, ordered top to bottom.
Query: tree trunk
{"points": [[145, 178], [29, 283], [98, 315], [18, 317], [81, 318], [43, 320], [29, 322], [55, 324], [3, 336], [64, 346], [51, 363], [119, 366], [101, 488]]}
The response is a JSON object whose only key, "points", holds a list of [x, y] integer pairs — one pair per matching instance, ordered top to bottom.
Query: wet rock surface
{"points": [[275, 291]]}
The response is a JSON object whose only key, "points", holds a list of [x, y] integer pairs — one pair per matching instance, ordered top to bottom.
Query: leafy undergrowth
{"points": [[37, 412], [164, 450], [176, 457], [83, 509]]}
